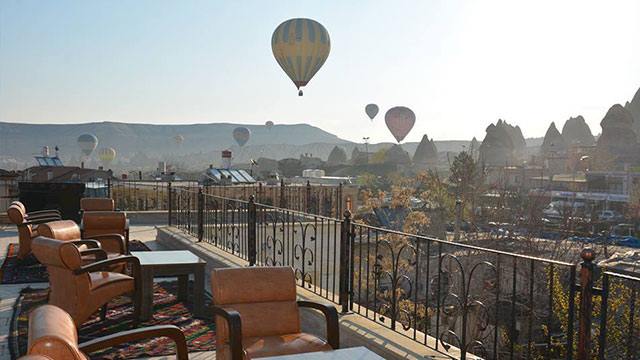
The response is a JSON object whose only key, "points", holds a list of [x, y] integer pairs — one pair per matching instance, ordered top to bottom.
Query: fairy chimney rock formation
{"points": [[634, 108], [576, 132], [618, 139], [553, 143], [498, 148], [426, 154], [397, 155], [337, 156]]}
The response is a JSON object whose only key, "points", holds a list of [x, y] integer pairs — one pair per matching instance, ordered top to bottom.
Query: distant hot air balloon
{"points": [[300, 46], [371, 110], [400, 121], [269, 124], [241, 135], [178, 139], [87, 143], [106, 155]]}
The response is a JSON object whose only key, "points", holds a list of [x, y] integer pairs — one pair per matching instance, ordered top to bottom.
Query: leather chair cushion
{"points": [[97, 204], [103, 222], [60, 230], [103, 278], [267, 284], [264, 319], [52, 333], [256, 347]]}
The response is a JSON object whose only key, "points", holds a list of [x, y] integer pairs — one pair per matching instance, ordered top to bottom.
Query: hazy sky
{"points": [[458, 64]]}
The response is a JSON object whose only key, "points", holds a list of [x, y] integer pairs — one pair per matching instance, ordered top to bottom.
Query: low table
{"points": [[179, 263], [354, 353]]}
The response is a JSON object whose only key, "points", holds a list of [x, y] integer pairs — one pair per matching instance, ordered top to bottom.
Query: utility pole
{"points": [[366, 147]]}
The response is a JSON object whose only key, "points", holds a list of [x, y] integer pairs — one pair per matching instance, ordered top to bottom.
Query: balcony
{"points": [[400, 295]]}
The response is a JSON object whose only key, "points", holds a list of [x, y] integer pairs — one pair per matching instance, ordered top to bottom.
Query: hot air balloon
{"points": [[300, 46], [371, 110], [400, 121], [269, 124], [241, 135], [178, 139], [87, 143], [106, 155]]}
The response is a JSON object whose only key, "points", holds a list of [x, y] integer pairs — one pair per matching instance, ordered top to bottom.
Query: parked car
{"points": [[609, 216], [623, 230]]}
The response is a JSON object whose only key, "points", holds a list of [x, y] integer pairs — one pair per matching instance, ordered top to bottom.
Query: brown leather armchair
{"points": [[97, 204], [96, 223], [27, 226], [113, 244], [79, 289], [261, 318], [53, 334]]}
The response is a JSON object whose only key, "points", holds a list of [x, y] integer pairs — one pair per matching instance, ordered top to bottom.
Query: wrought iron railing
{"points": [[144, 195], [326, 200], [485, 302], [490, 303]]}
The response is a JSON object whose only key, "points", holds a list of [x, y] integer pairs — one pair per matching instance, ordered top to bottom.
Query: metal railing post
{"points": [[308, 198], [339, 201], [169, 203], [282, 205], [200, 214], [251, 231], [345, 263], [586, 304]]}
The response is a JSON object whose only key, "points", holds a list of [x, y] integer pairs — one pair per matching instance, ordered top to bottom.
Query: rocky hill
{"points": [[143, 145]]}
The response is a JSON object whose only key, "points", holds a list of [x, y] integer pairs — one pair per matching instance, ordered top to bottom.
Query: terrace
{"points": [[399, 295]]}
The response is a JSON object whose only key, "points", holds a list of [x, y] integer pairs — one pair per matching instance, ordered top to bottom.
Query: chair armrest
{"points": [[44, 212], [43, 216], [39, 220], [116, 240], [92, 244], [99, 253], [105, 264], [331, 316], [234, 324], [172, 332]]}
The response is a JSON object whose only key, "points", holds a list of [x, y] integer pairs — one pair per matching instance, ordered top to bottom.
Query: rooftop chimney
{"points": [[226, 159]]}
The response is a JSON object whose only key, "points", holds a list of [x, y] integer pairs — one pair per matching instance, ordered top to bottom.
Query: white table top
{"points": [[167, 257], [355, 353]]}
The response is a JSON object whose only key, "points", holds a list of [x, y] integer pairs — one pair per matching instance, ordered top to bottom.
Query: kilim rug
{"points": [[29, 270], [167, 310]]}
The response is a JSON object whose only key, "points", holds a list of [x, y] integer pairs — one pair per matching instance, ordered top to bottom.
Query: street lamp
{"points": [[366, 147]]}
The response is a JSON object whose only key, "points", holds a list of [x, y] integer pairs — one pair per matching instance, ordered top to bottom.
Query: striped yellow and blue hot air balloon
{"points": [[301, 46], [107, 155]]}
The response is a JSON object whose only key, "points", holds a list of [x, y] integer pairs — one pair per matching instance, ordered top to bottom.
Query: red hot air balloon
{"points": [[400, 121]]}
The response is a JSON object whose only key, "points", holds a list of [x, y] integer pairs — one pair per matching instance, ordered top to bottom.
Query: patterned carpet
{"points": [[29, 270], [200, 333]]}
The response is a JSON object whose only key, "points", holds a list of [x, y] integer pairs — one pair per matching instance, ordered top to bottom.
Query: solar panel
{"points": [[248, 178]]}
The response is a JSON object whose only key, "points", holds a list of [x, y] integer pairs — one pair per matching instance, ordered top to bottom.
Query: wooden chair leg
{"points": [[137, 302], [103, 312]]}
